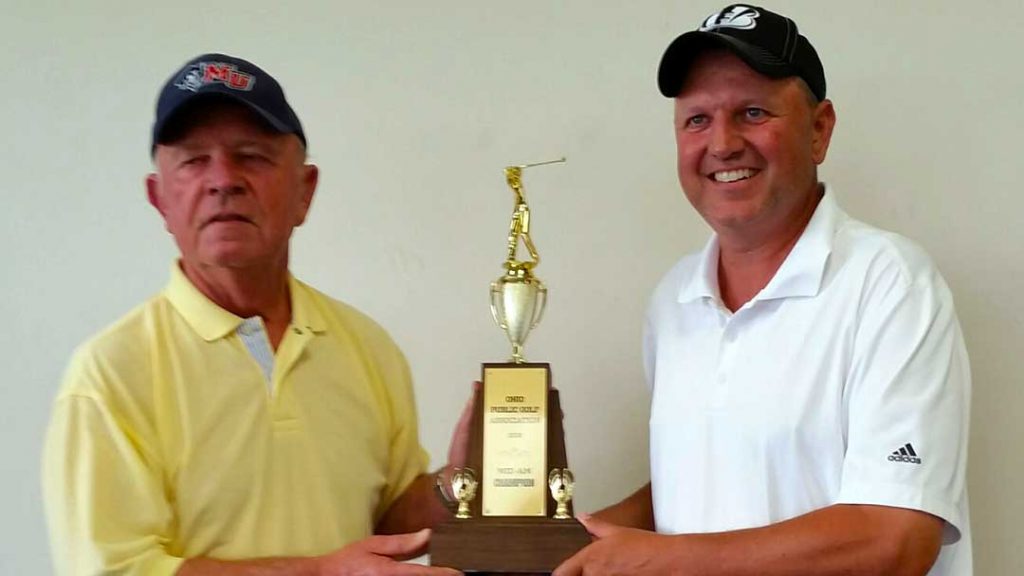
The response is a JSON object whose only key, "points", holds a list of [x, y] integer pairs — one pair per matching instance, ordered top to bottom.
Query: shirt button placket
{"points": [[726, 359]]}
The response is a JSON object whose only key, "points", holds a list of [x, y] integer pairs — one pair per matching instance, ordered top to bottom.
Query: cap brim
{"points": [[681, 53], [213, 95]]}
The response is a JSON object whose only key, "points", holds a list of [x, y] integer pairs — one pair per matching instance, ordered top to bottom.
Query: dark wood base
{"points": [[512, 545]]}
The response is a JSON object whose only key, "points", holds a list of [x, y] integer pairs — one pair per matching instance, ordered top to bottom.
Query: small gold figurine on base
{"points": [[561, 483], [464, 487]]}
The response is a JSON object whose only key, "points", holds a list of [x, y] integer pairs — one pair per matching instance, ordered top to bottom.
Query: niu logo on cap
{"points": [[735, 16], [204, 73]]}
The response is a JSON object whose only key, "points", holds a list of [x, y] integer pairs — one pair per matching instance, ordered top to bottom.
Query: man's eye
{"points": [[753, 113], [697, 121], [253, 157], [194, 160]]}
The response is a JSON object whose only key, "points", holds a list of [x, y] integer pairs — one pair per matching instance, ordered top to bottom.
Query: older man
{"points": [[810, 382], [240, 422]]}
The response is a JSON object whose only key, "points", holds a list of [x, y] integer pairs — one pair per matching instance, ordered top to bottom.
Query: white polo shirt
{"points": [[845, 380]]}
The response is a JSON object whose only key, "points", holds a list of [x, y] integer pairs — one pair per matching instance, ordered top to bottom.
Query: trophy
{"points": [[464, 487], [515, 492]]}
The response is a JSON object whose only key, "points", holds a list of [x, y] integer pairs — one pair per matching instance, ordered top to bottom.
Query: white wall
{"points": [[413, 108]]}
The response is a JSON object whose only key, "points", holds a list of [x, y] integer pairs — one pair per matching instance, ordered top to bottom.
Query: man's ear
{"points": [[824, 122], [310, 179], [153, 195]]}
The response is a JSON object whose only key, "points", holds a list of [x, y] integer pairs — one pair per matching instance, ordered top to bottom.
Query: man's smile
{"points": [[733, 175]]}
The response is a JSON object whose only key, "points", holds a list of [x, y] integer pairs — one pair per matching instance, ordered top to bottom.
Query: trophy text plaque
{"points": [[515, 440]]}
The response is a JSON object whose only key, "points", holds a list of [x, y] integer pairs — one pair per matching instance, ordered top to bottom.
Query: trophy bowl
{"points": [[518, 300]]}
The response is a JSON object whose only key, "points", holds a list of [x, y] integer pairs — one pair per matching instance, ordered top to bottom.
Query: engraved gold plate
{"points": [[515, 407]]}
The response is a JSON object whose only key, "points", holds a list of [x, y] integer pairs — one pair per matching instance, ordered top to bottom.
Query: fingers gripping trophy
{"points": [[514, 513]]}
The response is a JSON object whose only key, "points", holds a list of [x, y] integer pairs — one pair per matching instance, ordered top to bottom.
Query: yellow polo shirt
{"points": [[166, 441]]}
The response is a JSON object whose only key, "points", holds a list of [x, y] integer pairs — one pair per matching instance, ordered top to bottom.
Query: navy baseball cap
{"points": [[768, 42], [227, 77]]}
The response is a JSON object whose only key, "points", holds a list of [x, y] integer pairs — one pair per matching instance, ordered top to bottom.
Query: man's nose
{"points": [[726, 141], [224, 176]]}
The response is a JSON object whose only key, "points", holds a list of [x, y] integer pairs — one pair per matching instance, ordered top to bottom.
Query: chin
{"points": [[733, 217], [229, 259]]}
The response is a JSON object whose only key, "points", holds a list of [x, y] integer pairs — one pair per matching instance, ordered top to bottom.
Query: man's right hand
{"points": [[382, 555]]}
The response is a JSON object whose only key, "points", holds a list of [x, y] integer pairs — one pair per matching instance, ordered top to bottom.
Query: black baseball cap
{"points": [[768, 42], [225, 77]]}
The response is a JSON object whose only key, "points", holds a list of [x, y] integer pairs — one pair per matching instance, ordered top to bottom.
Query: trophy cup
{"points": [[464, 487], [517, 518]]}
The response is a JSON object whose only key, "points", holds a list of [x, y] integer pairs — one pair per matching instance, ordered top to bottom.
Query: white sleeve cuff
{"points": [[905, 496]]}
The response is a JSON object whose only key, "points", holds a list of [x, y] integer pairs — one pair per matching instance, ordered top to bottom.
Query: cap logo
{"points": [[735, 16], [205, 73]]}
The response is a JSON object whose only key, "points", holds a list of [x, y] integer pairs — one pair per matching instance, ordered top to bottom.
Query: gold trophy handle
{"points": [[495, 298], [542, 303]]}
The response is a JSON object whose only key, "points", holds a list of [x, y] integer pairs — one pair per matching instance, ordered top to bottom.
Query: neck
{"points": [[746, 265], [252, 291]]}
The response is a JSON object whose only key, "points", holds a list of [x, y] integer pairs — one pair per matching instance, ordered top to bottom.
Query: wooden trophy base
{"points": [[501, 544], [506, 545]]}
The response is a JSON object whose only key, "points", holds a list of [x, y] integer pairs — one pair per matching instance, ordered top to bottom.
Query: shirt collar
{"points": [[801, 272], [703, 284], [305, 313], [212, 322]]}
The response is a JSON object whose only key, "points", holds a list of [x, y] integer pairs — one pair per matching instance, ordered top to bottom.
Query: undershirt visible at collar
{"points": [[254, 336]]}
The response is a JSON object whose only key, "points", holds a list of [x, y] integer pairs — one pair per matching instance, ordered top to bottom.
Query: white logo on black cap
{"points": [[737, 16], [191, 80]]}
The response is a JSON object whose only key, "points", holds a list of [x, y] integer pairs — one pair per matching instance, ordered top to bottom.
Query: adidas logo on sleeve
{"points": [[905, 454]]}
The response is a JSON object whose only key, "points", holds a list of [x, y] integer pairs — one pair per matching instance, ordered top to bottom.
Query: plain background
{"points": [[413, 108]]}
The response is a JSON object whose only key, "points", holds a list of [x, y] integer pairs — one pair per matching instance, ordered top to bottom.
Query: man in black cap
{"points": [[810, 383], [240, 422]]}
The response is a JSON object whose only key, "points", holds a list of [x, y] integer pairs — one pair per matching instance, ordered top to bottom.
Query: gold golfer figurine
{"points": [[519, 226], [518, 298]]}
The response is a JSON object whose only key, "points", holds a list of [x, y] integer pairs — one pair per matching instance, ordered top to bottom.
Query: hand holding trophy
{"points": [[522, 520]]}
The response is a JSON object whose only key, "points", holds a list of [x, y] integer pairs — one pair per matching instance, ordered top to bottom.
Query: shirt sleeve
{"points": [[649, 350], [908, 400], [406, 457], [105, 503]]}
